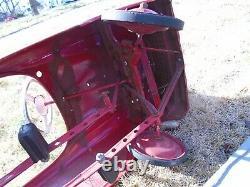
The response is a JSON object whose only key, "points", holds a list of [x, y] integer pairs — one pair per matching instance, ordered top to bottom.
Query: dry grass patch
{"points": [[216, 45]]}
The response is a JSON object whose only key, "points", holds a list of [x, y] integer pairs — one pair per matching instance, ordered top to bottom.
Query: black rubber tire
{"points": [[143, 18], [157, 162]]}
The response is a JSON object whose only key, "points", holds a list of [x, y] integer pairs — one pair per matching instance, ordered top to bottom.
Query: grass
{"points": [[28, 21], [216, 46], [10, 122]]}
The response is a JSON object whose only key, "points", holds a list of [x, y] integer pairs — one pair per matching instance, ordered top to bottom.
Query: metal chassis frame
{"points": [[155, 111], [151, 120]]}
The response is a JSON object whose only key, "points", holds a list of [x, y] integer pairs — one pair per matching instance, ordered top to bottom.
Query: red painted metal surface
{"points": [[107, 89], [159, 146], [113, 151]]}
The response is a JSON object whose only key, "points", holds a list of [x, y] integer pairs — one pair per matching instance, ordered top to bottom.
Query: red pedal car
{"points": [[117, 77]]}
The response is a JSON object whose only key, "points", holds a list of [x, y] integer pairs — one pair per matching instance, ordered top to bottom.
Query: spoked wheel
{"points": [[142, 20], [40, 103], [160, 149]]}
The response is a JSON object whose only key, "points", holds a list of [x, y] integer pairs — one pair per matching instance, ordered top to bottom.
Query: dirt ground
{"points": [[216, 46]]}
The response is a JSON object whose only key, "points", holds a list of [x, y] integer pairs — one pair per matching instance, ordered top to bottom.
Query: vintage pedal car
{"points": [[116, 77]]}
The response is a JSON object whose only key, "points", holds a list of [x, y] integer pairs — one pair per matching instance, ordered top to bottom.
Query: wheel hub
{"points": [[159, 148]]}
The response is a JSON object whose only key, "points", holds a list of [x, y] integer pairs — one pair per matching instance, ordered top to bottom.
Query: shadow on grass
{"points": [[212, 130]]}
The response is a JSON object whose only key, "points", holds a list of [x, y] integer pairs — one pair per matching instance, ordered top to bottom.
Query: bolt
{"points": [[100, 157]]}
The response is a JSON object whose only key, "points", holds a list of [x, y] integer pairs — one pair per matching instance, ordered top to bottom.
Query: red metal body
{"points": [[107, 95]]}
